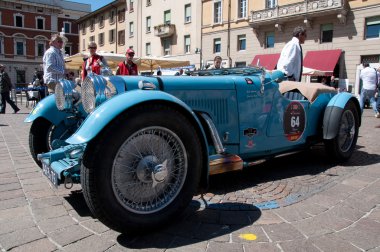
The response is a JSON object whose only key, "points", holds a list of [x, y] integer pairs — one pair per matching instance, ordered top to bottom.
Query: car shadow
{"points": [[312, 162], [198, 226]]}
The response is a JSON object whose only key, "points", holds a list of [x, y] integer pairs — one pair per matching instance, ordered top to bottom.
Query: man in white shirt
{"points": [[291, 58], [369, 78]]}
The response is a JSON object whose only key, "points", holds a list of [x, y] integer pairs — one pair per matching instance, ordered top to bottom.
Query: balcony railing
{"points": [[308, 8], [164, 30]]}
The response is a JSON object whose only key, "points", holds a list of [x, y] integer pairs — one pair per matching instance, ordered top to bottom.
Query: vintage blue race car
{"points": [[147, 144]]}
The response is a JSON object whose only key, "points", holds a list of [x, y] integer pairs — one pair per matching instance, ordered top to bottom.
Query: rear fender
{"points": [[112, 108], [47, 109], [334, 111]]}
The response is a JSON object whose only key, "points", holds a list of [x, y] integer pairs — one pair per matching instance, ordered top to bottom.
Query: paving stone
{"points": [[28, 175], [9, 180], [33, 181], [358, 182], [9, 187], [36, 187], [11, 194], [39, 194], [362, 201], [45, 202], [12, 203], [49, 212], [346, 212], [14, 213], [375, 214], [205, 215], [235, 218], [265, 218], [53, 224], [11, 225], [95, 226], [183, 228], [215, 232], [282, 232], [364, 234], [69, 235], [20, 237], [152, 241], [92, 243], [332, 243], [38, 245], [187, 245], [298, 246], [230, 247], [267, 247]]}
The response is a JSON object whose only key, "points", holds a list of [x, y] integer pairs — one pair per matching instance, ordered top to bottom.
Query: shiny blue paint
{"points": [[340, 100], [47, 109], [110, 109]]}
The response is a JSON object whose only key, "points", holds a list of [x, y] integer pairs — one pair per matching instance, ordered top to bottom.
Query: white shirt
{"points": [[290, 59], [54, 65], [368, 76]]}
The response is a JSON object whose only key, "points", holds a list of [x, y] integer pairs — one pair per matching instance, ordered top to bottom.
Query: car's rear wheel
{"points": [[343, 144], [145, 168]]}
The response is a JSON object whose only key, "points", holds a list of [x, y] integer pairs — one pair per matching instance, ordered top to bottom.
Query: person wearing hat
{"points": [[54, 63], [94, 63], [127, 67], [5, 88]]}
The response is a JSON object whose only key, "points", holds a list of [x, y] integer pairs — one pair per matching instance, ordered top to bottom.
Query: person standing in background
{"points": [[291, 58], [54, 63], [94, 63], [217, 63], [127, 67], [369, 77], [5, 88]]}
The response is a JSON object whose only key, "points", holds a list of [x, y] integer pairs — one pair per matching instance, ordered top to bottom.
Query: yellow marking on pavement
{"points": [[248, 237]]}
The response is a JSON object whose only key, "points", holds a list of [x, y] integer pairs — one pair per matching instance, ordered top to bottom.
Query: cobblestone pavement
{"points": [[301, 202]]}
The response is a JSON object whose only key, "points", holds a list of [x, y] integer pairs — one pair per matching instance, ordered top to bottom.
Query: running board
{"points": [[221, 163]]}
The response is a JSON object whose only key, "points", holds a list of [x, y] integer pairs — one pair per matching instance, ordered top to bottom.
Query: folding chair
{"points": [[33, 97]]}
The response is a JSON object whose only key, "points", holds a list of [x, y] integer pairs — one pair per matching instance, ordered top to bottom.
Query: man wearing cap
{"points": [[127, 67], [5, 88]]}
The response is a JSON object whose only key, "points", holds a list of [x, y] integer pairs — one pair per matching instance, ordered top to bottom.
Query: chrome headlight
{"points": [[95, 90], [65, 94]]}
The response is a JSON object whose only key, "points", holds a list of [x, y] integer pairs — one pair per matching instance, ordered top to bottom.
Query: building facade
{"points": [[106, 26], [26, 28], [166, 28], [241, 30]]}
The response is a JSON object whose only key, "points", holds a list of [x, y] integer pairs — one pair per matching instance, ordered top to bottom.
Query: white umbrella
{"points": [[75, 61], [150, 63]]}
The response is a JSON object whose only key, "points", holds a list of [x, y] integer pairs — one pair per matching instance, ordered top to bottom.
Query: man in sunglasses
{"points": [[54, 63], [127, 67]]}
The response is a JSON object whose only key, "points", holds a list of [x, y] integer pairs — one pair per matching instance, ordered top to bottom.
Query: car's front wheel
{"points": [[42, 134], [343, 144], [143, 170]]}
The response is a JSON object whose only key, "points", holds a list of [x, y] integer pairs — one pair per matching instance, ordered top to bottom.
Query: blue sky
{"points": [[95, 4]]}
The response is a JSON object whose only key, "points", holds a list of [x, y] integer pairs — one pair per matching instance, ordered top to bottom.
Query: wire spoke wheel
{"points": [[346, 131], [149, 170]]}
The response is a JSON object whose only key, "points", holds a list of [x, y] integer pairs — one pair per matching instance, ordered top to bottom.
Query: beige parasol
{"points": [[75, 61], [150, 63]]}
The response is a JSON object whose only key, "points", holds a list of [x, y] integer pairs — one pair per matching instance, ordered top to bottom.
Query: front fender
{"points": [[47, 109], [110, 109], [334, 110]]}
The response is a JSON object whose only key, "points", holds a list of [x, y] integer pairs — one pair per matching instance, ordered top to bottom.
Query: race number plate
{"points": [[50, 174]]}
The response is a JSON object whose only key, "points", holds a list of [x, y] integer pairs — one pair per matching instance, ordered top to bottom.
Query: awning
{"points": [[324, 60], [269, 61]]}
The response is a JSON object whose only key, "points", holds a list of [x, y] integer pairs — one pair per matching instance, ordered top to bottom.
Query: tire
{"points": [[42, 134], [343, 144], [143, 170]]}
